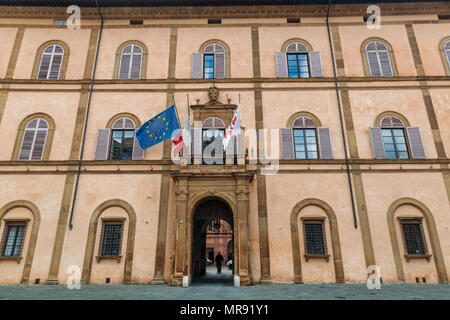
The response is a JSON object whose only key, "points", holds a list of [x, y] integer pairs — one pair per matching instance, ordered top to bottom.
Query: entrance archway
{"points": [[212, 225]]}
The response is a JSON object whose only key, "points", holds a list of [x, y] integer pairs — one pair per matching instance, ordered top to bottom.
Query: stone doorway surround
{"points": [[192, 189]]}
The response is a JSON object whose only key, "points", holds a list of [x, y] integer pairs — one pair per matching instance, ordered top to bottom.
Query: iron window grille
{"points": [[413, 236], [314, 237], [13, 238], [111, 238]]}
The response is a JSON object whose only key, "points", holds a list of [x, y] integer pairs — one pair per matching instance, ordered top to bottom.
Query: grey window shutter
{"points": [[281, 60], [315, 60], [385, 62], [45, 65], [124, 66], [197, 66], [55, 67], [136, 67], [374, 67], [219, 68], [196, 141], [39, 143], [377, 143], [416, 143], [27, 144], [287, 144], [102, 146], [326, 151], [138, 153]]}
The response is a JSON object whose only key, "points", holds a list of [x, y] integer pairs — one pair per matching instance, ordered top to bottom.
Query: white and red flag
{"points": [[233, 129], [183, 138]]}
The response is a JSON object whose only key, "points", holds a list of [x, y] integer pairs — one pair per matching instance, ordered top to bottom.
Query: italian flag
{"points": [[183, 138]]}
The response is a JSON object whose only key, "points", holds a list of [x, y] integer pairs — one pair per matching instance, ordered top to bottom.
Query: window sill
{"points": [[317, 256], [417, 256], [118, 258], [18, 259]]}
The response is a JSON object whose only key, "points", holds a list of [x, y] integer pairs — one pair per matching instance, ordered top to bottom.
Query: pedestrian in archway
{"points": [[219, 259]]}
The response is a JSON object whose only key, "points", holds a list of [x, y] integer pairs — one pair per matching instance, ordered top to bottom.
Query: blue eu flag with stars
{"points": [[158, 128]]}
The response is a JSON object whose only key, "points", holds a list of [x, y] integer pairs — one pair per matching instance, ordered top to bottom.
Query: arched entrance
{"points": [[212, 225]]}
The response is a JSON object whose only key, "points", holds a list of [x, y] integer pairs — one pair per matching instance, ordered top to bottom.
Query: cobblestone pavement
{"points": [[204, 290]]}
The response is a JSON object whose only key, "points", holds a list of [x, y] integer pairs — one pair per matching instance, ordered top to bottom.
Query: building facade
{"points": [[356, 118]]}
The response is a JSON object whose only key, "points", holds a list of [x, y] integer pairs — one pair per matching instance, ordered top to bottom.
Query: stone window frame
{"points": [[303, 42], [227, 55], [38, 58], [445, 60], [144, 62], [366, 63], [405, 122], [109, 125], [21, 131], [317, 220], [105, 221], [13, 222]]}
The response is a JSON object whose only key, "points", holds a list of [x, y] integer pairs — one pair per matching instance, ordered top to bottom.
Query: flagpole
{"points": [[176, 111]]}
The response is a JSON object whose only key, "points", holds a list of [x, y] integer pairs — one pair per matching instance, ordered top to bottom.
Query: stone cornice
{"points": [[227, 11]]}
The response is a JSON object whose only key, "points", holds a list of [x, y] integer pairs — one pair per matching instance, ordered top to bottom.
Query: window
{"points": [[447, 52], [297, 59], [378, 59], [214, 61], [130, 62], [50, 66], [213, 131], [393, 134], [34, 138], [122, 139], [305, 139], [413, 236], [314, 237], [111, 238], [13, 239]]}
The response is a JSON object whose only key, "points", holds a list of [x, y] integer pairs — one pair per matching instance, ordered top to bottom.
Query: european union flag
{"points": [[158, 129]]}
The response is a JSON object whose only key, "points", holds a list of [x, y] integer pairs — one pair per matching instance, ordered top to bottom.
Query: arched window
{"points": [[444, 49], [447, 51], [378, 59], [297, 60], [51, 61], [131, 62], [211, 62], [213, 131], [34, 138], [305, 138], [122, 139], [394, 140]]}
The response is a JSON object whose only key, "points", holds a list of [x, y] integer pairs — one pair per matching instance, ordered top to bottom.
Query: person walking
{"points": [[219, 259]]}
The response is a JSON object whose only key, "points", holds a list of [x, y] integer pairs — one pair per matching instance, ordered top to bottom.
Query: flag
{"points": [[159, 128], [233, 129], [183, 138]]}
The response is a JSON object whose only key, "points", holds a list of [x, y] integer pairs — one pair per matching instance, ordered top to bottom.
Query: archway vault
{"points": [[191, 191]]}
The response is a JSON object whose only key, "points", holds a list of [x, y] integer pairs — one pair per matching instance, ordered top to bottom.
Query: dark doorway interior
{"points": [[212, 233]]}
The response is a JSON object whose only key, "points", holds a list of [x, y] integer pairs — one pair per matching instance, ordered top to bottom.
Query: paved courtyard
{"points": [[211, 288]]}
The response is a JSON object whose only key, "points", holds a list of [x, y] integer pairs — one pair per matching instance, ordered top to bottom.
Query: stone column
{"points": [[181, 193], [243, 207]]}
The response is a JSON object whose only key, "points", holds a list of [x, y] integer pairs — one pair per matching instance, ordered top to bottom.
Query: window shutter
{"points": [[315, 59], [372, 60], [281, 61], [45, 65], [124, 66], [197, 66], [55, 67], [136, 67], [219, 68], [386, 68], [27, 143], [39, 143], [196, 143], [287, 143], [377, 143], [416, 143], [101, 148], [326, 151], [138, 153]]}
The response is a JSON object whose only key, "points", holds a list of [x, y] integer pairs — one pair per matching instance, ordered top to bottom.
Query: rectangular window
{"points": [[208, 65], [298, 65], [395, 143], [305, 144], [122, 145], [314, 236], [413, 236], [13, 237], [111, 238]]}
